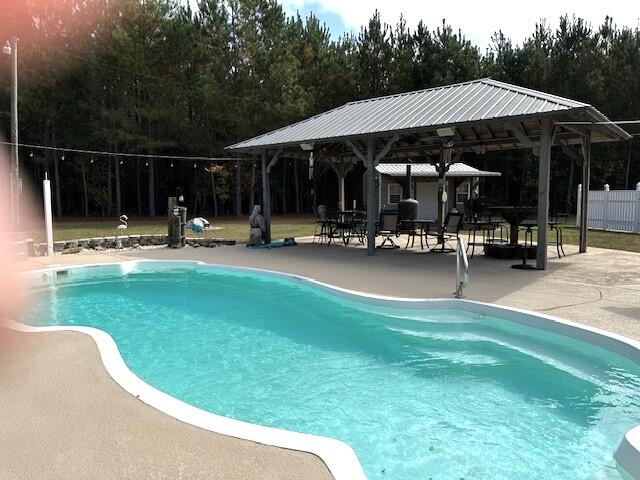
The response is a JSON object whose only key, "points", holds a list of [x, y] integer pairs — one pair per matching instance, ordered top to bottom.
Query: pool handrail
{"points": [[462, 268]]}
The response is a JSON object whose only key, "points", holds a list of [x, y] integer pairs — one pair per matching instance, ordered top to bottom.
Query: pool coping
{"points": [[338, 456]]}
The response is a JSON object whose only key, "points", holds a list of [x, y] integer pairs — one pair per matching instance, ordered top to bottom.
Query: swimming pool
{"points": [[418, 393]]}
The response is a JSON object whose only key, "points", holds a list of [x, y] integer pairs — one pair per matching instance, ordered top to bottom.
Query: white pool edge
{"points": [[339, 457]]}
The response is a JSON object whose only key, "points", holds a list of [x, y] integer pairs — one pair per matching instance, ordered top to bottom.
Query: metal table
{"points": [[514, 217], [420, 225]]}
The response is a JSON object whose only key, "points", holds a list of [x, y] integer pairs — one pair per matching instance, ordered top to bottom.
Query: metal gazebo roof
{"points": [[472, 107], [477, 116]]}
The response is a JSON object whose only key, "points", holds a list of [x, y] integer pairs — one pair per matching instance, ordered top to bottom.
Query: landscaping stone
{"points": [[128, 241]]}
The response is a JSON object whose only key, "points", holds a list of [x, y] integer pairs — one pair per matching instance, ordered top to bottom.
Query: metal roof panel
{"points": [[478, 100]]}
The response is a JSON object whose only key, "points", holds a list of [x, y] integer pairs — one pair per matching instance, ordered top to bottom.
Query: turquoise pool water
{"points": [[418, 394]]}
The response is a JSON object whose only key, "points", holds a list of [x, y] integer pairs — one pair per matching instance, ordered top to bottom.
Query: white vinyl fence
{"points": [[612, 209]]}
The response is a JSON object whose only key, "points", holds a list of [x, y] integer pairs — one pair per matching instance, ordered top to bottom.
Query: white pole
{"points": [[14, 132], [48, 219]]}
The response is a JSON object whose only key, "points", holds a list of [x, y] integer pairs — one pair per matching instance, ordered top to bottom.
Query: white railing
{"points": [[612, 209], [462, 268]]}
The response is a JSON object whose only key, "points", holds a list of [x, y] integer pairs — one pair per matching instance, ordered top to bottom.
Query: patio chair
{"points": [[557, 219], [323, 225], [387, 226], [528, 226], [358, 227], [481, 229], [450, 230], [500, 233]]}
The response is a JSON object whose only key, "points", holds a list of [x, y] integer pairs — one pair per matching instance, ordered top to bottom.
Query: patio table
{"points": [[514, 216], [342, 225], [421, 225]]}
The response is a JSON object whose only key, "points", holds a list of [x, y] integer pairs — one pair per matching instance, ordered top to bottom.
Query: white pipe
{"points": [[48, 220]]}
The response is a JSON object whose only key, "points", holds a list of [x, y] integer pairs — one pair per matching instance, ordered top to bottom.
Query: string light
{"points": [[31, 153], [121, 154], [62, 158], [146, 164], [171, 165]]}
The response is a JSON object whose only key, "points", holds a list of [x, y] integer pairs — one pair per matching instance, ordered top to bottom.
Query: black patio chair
{"points": [[556, 220], [323, 225], [529, 225], [387, 226], [358, 227], [450, 230]]}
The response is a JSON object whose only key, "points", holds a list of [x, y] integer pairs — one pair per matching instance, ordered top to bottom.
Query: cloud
{"points": [[477, 20]]}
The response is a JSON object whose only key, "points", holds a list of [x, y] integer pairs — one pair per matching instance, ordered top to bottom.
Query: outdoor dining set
{"points": [[496, 229]]}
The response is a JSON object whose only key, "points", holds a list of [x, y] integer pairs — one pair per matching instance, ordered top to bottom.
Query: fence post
{"points": [[579, 204], [605, 207], [636, 211]]}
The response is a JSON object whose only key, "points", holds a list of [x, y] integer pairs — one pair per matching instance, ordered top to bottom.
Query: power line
{"points": [[134, 155]]}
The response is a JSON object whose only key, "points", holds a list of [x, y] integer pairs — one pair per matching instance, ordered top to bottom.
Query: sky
{"points": [[478, 19]]}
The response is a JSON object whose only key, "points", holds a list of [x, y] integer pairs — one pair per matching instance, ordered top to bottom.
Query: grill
{"points": [[407, 210]]}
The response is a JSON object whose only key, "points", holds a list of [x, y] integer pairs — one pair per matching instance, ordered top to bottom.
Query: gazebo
{"points": [[438, 125]]}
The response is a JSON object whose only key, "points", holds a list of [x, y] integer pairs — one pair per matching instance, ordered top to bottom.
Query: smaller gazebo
{"points": [[420, 182]]}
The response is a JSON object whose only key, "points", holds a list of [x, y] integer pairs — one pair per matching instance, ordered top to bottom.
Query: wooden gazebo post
{"points": [[544, 177], [584, 199]]}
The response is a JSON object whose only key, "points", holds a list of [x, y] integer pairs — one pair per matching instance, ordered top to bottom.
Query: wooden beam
{"points": [[582, 132], [475, 133], [522, 137], [386, 149], [356, 151], [572, 154], [274, 160], [341, 168], [544, 177], [266, 197], [371, 198], [584, 200]]}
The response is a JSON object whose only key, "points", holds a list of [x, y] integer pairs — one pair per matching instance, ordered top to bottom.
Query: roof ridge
{"points": [[413, 92], [533, 92]]}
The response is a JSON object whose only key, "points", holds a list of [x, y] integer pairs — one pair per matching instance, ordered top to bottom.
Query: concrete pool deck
{"points": [[95, 429]]}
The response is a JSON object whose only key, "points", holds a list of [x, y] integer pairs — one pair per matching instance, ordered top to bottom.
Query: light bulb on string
{"points": [[31, 153], [62, 157], [146, 164], [171, 165], [194, 165]]}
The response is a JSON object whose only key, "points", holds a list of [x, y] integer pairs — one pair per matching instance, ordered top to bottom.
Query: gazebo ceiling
{"points": [[485, 115]]}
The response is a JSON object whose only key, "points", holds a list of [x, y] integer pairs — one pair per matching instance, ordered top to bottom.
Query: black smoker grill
{"points": [[407, 210]]}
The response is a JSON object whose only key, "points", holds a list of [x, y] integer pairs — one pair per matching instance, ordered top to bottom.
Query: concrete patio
{"points": [[113, 435]]}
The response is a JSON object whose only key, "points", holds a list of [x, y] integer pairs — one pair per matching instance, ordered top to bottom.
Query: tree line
{"points": [[160, 78]]}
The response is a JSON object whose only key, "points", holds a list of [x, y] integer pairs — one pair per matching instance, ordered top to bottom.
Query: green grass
{"points": [[286, 226], [233, 228], [629, 242]]}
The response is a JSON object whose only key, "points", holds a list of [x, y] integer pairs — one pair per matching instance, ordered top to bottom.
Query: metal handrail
{"points": [[462, 268]]}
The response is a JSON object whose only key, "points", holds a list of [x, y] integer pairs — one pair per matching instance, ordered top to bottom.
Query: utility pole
{"points": [[11, 48]]}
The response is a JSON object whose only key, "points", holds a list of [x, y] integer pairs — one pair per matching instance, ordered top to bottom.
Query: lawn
{"points": [[234, 228], [237, 228], [629, 242]]}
